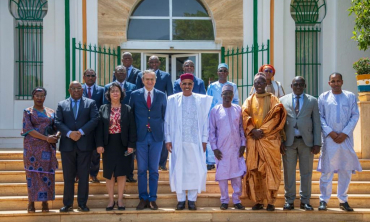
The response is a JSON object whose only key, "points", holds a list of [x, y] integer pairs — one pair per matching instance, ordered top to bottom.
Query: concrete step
{"points": [[17, 165], [19, 176], [20, 189], [169, 201], [203, 214]]}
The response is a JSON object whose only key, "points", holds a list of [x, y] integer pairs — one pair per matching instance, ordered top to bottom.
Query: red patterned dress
{"points": [[39, 156]]}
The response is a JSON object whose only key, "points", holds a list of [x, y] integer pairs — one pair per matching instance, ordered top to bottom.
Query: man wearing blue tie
{"points": [[93, 91], [149, 106], [76, 119]]}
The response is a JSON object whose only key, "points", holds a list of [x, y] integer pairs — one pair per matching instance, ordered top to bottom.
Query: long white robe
{"points": [[338, 113], [173, 133]]}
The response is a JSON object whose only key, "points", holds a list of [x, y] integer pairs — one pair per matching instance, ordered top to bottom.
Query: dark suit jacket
{"points": [[132, 76], [163, 83], [198, 86], [129, 87], [98, 94], [154, 116], [87, 120], [308, 120], [128, 126]]}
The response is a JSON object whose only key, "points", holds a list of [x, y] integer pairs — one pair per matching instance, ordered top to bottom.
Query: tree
{"points": [[361, 33]]}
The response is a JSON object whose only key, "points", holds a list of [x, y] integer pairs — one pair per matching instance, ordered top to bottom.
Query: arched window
{"points": [[170, 20]]}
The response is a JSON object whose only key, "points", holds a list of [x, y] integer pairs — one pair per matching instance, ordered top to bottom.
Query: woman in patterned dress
{"points": [[116, 139], [39, 154]]}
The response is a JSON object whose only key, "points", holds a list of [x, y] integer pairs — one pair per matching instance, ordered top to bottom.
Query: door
{"points": [[177, 60]]}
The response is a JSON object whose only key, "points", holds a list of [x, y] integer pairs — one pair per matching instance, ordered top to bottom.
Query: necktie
{"points": [[122, 86], [89, 92], [149, 104], [297, 105], [74, 108]]}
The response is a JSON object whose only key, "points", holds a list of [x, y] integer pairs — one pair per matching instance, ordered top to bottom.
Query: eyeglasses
{"points": [[188, 66], [223, 70], [268, 70], [92, 76], [298, 84], [75, 89]]}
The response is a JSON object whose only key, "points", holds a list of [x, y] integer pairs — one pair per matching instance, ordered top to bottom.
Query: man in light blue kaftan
{"points": [[215, 90], [339, 115]]}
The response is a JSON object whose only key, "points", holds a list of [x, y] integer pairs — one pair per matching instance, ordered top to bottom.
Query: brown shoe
{"points": [[143, 204], [153, 205], [31, 207], [45, 207]]}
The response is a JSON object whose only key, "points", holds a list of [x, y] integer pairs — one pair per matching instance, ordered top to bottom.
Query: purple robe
{"points": [[227, 135]]}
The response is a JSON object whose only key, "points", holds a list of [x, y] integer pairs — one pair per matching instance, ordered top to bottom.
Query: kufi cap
{"points": [[223, 65], [187, 76], [227, 87]]}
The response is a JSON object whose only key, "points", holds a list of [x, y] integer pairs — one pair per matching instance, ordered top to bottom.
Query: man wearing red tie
{"points": [[95, 92], [149, 106]]}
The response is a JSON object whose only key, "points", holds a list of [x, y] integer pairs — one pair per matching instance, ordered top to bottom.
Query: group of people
{"points": [[142, 114]]}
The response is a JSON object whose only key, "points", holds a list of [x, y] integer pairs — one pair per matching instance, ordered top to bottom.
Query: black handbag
{"points": [[49, 130]]}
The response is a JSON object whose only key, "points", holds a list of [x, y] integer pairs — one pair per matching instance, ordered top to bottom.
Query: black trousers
{"points": [[74, 163]]}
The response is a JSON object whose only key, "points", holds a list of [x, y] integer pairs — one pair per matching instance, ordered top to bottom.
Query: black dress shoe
{"points": [[210, 167], [164, 168], [94, 180], [130, 180], [143, 204], [153, 205], [180, 205], [191, 205], [224, 206], [239, 206], [288, 206], [323, 206], [345, 206], [31, 207], [111, 207], [121, 207], [257, 207], [270, 207], [306, 207], [83, 208], [65, 209]]}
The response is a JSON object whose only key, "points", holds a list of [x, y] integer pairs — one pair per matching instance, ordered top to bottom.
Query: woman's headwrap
{"points": [[262, 68]]}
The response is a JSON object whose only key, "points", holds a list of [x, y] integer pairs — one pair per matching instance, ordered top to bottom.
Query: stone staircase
{"points": [[13, 200]]}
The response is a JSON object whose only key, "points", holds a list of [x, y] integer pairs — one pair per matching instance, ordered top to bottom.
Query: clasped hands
{"points": [[257, 134], [75, 135], [338, 137], [53, 138], [169, 147], [100, 150], [218, 153]]}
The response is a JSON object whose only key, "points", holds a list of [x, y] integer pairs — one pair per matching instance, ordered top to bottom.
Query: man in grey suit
{"points": [[76, 119], [303, 140]]}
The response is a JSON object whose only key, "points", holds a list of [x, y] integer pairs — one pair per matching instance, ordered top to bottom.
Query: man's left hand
{"points": [[340, 138], [204, 147], [315, 149], [241, 151]]}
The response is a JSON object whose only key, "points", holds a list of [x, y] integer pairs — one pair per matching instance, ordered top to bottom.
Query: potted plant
{"points": [[362, 67]]}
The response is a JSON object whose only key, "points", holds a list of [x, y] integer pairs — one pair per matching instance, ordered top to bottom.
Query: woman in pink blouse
{"points": [[116, 139]]}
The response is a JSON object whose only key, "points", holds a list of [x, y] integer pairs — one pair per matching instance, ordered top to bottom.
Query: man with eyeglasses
{"points": [[132, 72], [120, 73], [199, 87], [215, 90], [93, 91], [76, 118], [186, 134], [303, 141]]}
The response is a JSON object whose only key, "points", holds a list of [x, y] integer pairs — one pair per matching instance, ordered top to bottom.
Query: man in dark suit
{"points": [[132, 72], [120, 73], [121, 78], [199, 87], [95, 92], [149, 107], [76, 119], [303, 141]]}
